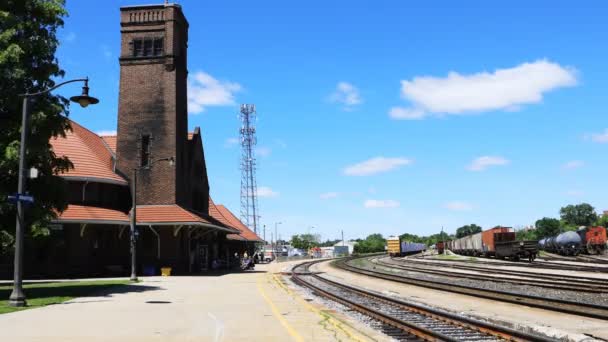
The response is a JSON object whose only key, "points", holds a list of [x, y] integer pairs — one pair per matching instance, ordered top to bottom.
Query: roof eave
{"points": [[95, 179]]}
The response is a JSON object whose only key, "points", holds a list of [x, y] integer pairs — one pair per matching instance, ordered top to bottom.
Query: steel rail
{"points": [[540, 264], [499, 271], [556, 282], [559, 305], [460, 323]]}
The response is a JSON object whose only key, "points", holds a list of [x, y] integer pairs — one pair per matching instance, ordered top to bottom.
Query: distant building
{"points": [[349, 244]]}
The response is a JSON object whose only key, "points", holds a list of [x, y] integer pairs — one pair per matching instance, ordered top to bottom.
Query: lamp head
{"points": [[84, 99]]}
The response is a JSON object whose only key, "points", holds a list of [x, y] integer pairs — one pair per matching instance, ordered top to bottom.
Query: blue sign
{"points": [[21, 198]]}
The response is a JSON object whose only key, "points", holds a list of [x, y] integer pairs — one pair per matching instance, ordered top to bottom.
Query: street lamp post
{"points": [[133, 217], [276, 239], [17, 297]]}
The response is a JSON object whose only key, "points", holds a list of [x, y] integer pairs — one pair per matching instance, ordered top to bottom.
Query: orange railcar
{"points": [[488, 238], [595, 239]]}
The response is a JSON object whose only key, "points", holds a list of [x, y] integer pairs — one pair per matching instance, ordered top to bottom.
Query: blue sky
{"points": [[386, 116]]}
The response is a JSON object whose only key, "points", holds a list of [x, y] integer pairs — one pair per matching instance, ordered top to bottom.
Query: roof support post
{"points": [[82, 228], [122, 230], [176, 230], [157, 239]]}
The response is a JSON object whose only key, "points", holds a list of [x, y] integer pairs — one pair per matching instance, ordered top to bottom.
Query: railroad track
{"points": [[592, 258], [538, 264], [544, 280], [552, 304], [407, 321]]}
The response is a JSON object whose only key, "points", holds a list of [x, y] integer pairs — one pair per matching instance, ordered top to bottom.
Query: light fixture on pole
{"points": [[133, 217], [17, 297]]}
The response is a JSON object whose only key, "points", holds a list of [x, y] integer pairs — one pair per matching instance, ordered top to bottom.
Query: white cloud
{"points": [[70, 37], [105, 50], [503, 89], [204, 91], [346, 94], [400, 113], [106, 133], [600, 137], [231, 142], [280, 143], [263, 151], [482, 163], [573, 164], [375, 165], [264, 191], [574, 193], [328, 195], [381, 204], [459, 206]]}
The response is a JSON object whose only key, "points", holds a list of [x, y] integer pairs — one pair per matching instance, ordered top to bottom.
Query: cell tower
{"points": [[249, 188]]}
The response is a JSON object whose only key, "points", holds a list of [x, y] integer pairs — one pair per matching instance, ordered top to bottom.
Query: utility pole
{"points": [[342, 231], [264, 232], [443, 239]]}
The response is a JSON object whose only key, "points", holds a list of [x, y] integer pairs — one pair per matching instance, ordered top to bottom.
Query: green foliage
{"points": [[27, 64], [578, 215], [602, 221], [546, 227], [467, 230], [526, 235], [428, 240], [304, 241], [329, 243], [372, 244]]}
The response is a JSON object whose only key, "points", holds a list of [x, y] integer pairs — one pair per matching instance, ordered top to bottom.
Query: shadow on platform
{"points": [[76, 290]]}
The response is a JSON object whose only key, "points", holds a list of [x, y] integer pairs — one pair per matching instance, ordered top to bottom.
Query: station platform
{"points": [[244, 306]]}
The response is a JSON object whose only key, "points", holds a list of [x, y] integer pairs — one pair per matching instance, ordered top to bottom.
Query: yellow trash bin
{"points": [[165, 271]]}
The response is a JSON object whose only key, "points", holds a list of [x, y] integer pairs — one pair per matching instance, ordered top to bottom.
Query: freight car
{"points": [[594, 239], [589, 240], [497, 242], [440, 246], [395, 247]]}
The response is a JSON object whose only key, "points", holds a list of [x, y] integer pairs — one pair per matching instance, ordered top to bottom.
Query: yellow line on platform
{"points": [[277, 314], [336, 322]]}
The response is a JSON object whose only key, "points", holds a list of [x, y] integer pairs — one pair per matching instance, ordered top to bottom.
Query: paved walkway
{"points": [[233, 307]]}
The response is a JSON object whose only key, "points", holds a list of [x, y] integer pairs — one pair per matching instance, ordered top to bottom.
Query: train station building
{"points": [[178, 223]]}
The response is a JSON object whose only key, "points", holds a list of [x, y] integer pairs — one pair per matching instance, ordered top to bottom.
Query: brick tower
{"points": [[152, 109]]}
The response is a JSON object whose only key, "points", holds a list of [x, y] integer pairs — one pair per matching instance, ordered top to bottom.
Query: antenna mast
{"points": [[249, 189]]}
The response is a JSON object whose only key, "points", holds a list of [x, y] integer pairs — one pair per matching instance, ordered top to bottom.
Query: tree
{"points": [[28, 43], [578, 215], [602, 221], [547, 227], [469, 229], [526, 234], [304, 241], [329, 243], [372, 244]]}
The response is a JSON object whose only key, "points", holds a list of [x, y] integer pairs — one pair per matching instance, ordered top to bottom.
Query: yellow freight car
{"points": [[393, 246]]}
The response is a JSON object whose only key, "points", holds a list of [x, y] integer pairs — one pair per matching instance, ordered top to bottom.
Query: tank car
{"points": [[568, 243]]}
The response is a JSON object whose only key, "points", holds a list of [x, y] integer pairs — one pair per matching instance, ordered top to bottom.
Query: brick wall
{"points": [[153, 101]]}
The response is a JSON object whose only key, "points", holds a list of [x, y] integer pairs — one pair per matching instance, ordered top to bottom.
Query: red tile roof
{"points": [[110, 140], [91, 157], [215, 213], [87, 214], [167, 214], [245, 232]]}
